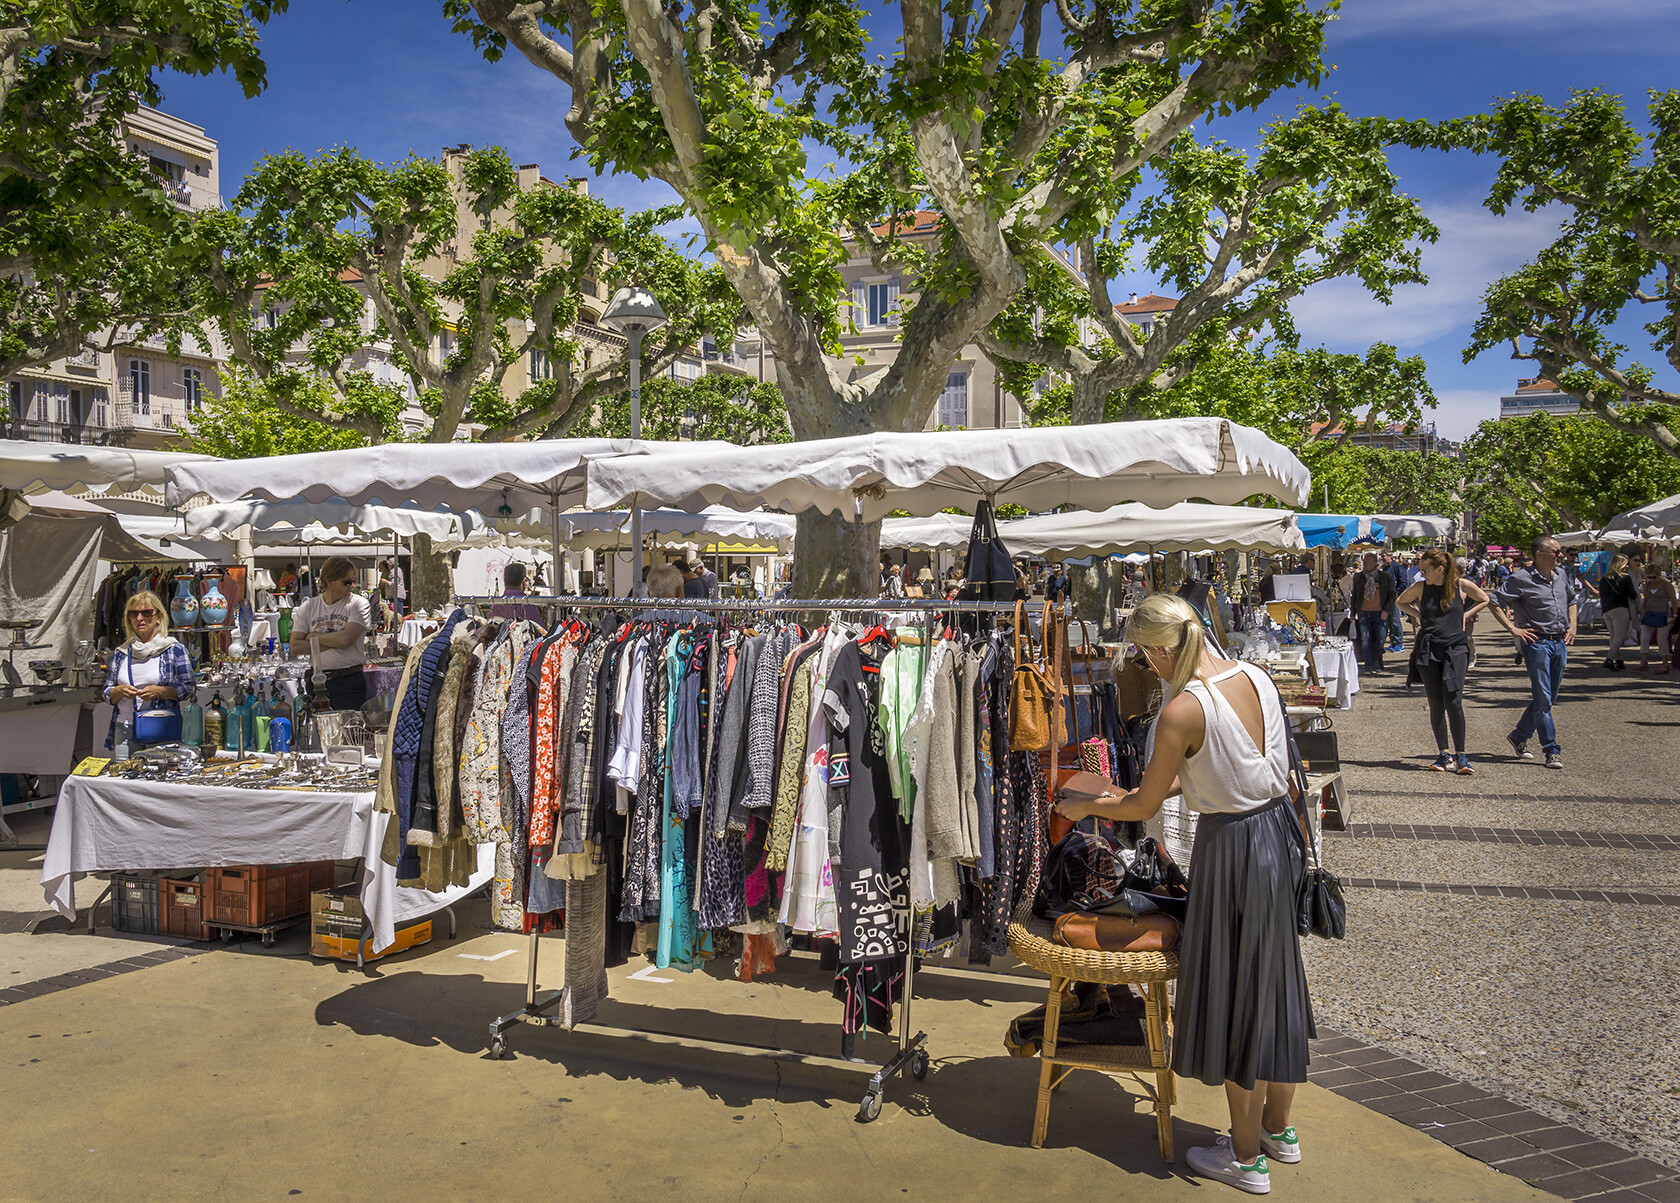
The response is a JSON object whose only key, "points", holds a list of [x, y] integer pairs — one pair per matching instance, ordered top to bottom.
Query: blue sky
{"points": [[389, 78]]}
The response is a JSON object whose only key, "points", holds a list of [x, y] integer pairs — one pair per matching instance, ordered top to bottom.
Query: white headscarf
{"points": [[152, 647]]}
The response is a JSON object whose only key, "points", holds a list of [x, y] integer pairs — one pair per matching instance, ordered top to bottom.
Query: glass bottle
{"points": [[285, 628], [281, 707], [215, 721], [192, 722], [240, 736]]}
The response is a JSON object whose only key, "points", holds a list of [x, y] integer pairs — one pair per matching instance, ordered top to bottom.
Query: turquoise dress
{"points": [[676, 886]]}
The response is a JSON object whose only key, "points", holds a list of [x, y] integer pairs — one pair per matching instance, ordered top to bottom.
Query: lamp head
{"points": [[633, 310]]}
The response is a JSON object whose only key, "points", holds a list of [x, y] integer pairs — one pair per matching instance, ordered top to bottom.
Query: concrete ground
{"points": [[1450, 1021]]}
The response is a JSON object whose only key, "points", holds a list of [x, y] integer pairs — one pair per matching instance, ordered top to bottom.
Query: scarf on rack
{"points": [[151, 647]]}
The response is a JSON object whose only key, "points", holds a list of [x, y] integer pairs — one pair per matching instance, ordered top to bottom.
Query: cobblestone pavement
{"points": [[1515, 929]]}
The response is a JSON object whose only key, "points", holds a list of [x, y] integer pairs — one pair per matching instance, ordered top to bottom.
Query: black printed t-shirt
{"points": [[872, 879]]}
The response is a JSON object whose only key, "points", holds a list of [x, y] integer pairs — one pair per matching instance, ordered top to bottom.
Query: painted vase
{"points": [[212, 606], [183, 607]]}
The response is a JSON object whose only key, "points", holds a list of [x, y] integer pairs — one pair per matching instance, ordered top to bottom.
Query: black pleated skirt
{"points": [[1242, 1013]]}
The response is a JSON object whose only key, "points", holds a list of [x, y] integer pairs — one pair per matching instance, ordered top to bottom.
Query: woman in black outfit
{"points": [[1619, 597], [1444, 605]]}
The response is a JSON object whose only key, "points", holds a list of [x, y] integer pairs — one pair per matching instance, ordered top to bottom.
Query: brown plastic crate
{"points": [[253, 895], [181, 907]]}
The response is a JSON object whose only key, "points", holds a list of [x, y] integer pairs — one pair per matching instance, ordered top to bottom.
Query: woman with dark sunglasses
{"points": [[336, 622], [150, 671]]}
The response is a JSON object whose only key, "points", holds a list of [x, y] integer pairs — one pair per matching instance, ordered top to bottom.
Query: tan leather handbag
{"points": [[1032, 695], [1117, 933]]}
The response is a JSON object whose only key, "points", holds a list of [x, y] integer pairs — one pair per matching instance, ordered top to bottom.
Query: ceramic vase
{"points": [[212, 606], [183, 607]]}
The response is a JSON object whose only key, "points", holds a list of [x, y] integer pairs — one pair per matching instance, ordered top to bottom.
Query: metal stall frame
{"points": [[912, 1052]]}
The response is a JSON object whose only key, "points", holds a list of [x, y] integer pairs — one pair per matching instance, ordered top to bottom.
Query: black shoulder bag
{"points": [[1320, 909]]}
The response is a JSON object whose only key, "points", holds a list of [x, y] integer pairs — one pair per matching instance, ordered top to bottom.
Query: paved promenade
{"points": [[1499, 1025]]}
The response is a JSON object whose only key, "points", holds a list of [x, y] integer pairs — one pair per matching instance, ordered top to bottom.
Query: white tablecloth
{"points": [[414, 629], [1338, 672], [103, 824]]}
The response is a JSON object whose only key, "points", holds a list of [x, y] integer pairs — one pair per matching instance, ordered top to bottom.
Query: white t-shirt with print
{"points": [[316, 617]]}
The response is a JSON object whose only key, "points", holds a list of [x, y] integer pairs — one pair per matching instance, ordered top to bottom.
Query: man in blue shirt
{"points": [[1537, 605]]}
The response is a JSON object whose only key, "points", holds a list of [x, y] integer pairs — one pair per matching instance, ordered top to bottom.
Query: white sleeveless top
{"points": [[1228, 774]]}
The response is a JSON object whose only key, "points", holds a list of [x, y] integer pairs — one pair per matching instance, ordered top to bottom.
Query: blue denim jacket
{"points": [[173, 669]]}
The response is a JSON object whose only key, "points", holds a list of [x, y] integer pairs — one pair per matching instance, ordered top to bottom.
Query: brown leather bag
{"points": [[1032, 696], [1117, 933]]}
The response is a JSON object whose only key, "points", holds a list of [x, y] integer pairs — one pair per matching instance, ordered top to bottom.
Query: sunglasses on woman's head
{"points": [[142, 613]]}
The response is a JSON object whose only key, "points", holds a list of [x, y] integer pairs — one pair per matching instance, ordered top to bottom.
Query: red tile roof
{"points": [[922, 221], [1152, 303], [1538, 384]]}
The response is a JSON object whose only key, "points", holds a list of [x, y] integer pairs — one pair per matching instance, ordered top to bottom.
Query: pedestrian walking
{"points": [[1372, 595], [1619, 597], [1444, 605], [1537, 605], [1656, 616], [1242, 1016]]}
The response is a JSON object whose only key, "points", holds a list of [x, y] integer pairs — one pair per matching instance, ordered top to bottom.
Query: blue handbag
{"points": [[160, 726]]}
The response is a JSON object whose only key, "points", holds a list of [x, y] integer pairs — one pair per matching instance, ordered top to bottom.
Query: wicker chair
{"points": [[1029, 939]]}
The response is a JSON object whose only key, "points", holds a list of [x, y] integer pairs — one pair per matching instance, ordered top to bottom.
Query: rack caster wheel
{"points": [[227, 936], [268, 939], [498, 1047], [919, 1061], [870, 1109]]}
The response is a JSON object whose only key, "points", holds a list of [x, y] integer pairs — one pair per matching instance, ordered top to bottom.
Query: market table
{"points": [[413, 630], [1338, 672], [105, 824]]}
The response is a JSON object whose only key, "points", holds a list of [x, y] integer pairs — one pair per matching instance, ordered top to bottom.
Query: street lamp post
{"points": [[635, 313]]}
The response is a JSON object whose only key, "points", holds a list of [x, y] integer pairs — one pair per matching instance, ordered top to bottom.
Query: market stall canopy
{"points": [[35, 467], [1093, 467], [460, 476], [1659, 520], [329, 521], [711, 524], [1416, 526], [1122, 529], [1339, 530], [937, 532], [123, 536], [1577, 538]]}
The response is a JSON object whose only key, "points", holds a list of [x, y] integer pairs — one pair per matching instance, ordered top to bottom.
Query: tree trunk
{"points": [[836, 558], [431, 582]]}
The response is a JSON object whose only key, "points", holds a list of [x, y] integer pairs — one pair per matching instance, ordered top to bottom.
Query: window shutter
{"points": [[892, 301], [860, 304]]}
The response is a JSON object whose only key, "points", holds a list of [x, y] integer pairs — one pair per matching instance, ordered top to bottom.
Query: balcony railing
{"points": [[165, 409]]}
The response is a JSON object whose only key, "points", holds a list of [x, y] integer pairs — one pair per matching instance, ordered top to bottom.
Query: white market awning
{"points": [[28, 467], [1092, 467], [458, 476], [331, 521], [1658, 521], [1417, 526], [1123, 529], [937, 532]]}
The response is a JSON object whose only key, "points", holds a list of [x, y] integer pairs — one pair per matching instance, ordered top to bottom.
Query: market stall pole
{"points": [[635, 313], [911, 1052]]}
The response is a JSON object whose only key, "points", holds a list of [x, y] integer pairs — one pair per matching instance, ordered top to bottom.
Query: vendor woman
{"points": [[338, 620], [150, 671]]}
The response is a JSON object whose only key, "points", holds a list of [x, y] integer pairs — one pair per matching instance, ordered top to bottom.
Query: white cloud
{"points": [[1380, 18], [1475, 248], [1461, 410]]}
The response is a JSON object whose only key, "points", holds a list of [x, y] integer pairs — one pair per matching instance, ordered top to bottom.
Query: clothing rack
{"points": [[911, 1052]]}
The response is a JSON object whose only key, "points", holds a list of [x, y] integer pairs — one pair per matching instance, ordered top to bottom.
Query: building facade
{"points": [[137, 393], [1537, 395]]}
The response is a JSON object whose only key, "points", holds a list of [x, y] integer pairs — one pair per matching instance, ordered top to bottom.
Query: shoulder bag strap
{"points": [[1298, 772]]}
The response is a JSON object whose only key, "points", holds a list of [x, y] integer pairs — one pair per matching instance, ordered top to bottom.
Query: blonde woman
{"points": [[1618, 596], [151, 670], [1242, 1017]]}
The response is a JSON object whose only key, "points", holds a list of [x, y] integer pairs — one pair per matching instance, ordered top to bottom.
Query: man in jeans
{"points": [[1372, 595], [1537, 605]]}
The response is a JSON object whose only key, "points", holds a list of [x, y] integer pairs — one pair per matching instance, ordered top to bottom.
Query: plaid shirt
{"points": [[173, 669]]}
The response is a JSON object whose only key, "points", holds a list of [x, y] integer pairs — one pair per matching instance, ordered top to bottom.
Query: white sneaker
{"points": [[1282, 1146], [1218, 1162]]}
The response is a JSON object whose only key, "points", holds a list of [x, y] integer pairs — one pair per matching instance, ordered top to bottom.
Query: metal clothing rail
{"points": [[759, 605], [911, 1052]]}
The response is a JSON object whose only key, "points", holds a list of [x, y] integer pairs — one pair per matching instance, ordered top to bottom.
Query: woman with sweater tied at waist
{"points": [[1242, 1016]]}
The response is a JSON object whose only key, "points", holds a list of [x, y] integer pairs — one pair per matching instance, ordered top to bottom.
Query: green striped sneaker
{"points": [[1282, 1146], [1218, 1162]]}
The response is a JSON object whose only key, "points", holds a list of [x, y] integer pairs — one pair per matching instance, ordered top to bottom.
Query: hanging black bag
{"points": [[989, 574], [1320, 908]]}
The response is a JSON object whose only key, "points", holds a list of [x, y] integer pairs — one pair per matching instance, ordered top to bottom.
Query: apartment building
{"points": [[137, 394], [1537, 395]]}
